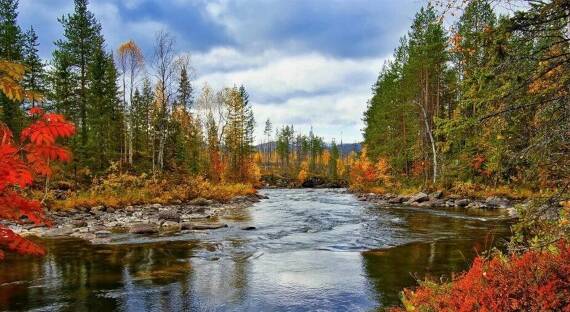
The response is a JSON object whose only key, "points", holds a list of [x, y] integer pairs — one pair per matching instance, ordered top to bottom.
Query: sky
{"points": [[307, 63]]}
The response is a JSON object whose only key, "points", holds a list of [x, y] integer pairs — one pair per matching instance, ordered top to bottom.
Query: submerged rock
{"points": [[203, 226], [102, 234]]}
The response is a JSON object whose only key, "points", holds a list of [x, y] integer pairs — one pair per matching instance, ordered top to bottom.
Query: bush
{"points": [[119, 190], [533, 281]]}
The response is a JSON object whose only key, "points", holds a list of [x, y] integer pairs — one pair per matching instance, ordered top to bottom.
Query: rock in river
{"points": [[419, 197], [497, 202], [169, 215], [203, 226], [142, 228], [102, 234]]}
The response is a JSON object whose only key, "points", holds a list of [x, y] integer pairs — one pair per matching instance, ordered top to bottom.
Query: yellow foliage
{"points": [[10, 76], [119, 190]]}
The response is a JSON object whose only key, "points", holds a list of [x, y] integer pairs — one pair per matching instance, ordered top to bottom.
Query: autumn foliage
{"points": [[23, 159], [365, 173], [533, 281]]}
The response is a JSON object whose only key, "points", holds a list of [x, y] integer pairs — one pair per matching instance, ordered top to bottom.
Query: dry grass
{"points": [[463, 189], [123, 190]]}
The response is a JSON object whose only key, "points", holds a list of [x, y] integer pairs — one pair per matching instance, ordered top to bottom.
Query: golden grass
{"points": [[123, 190]]}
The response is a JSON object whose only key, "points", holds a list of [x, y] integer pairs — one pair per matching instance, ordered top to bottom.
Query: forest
{"points": [[474, 102]]}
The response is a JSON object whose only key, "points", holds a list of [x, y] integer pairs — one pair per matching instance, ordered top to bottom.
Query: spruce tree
{"points": [[82, 37], [10, 49], [35, 78]]}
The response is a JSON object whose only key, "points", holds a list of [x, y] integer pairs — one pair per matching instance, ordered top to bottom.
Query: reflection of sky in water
{"points": [[317, 250]]}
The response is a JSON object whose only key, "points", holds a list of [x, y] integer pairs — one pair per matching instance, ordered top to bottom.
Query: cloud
{"points": [[307, 63], [306, 90]]}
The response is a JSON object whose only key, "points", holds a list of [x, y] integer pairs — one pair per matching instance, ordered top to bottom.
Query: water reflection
{"points": [[319, 250]]}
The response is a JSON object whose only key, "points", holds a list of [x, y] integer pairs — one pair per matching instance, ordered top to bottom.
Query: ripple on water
{"points": [[310, 250]]}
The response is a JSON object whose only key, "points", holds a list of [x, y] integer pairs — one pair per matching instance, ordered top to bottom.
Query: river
{"points": [[317, 250]]}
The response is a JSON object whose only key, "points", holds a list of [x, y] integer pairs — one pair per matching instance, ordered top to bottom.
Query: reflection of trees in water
{"points": [[390, 270], [84, 277]]}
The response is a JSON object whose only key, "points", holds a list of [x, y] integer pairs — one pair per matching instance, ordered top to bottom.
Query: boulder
{"points": [[436, 195], [419, 197], [397, 200], [201, 202], [462, 202], [497, 202], [425, 204], [477, 205], [110, 209], [169, 215], [78, 223], [170, 226], [142, 228]]}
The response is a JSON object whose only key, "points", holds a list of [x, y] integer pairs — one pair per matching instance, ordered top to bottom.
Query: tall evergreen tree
{"points": [[82, 37], [10, 49], [35, 78], [185, 91]]}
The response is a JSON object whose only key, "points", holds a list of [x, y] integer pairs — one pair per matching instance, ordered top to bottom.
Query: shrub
{"points": [[533, 281]]}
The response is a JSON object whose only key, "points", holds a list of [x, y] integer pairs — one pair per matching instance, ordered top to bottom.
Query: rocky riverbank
{"points": [[283, 181], [439, 199], [98, 224]]}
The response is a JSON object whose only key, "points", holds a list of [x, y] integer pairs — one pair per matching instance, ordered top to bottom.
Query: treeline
{"points": [[484, 102], [133, 112], [300, 156]]}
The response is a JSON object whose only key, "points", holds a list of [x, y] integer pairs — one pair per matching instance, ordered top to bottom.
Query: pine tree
{"points": [[82, 34], [11, 39], [35, 78], [185, 90], [333, 161]]}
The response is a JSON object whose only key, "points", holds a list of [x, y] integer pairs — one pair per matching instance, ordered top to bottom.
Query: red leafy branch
{"points": [[19, 164]]}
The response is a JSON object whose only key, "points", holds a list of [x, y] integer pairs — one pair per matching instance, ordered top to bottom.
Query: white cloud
{"points": [[307, 90]]}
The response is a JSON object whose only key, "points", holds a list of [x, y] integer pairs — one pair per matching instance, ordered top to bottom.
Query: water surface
{"points": [[318, 250]]}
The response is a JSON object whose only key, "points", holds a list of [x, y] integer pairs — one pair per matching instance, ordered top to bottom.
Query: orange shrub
{"points": [[365, 174], [533, 281]]}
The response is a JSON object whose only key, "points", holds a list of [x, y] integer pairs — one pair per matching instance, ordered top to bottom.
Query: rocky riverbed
{"points": [[438, 199], [98, 224]]}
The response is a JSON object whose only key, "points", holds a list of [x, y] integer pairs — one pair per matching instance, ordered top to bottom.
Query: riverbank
{"points": [[288, 182], [439, 199], [97, 224]]}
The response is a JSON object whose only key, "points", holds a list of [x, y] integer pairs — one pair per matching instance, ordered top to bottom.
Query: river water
{"points": [[311, 250]]}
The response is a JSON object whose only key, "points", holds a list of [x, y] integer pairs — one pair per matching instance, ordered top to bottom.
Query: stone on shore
{"points": [[436, 195], [419, 197], [201, 202], [462, 202], [497, 202], [169, 215], [142, 228]]}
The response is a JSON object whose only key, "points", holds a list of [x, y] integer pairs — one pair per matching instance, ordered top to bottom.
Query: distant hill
{"points": [[345, 148]]}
